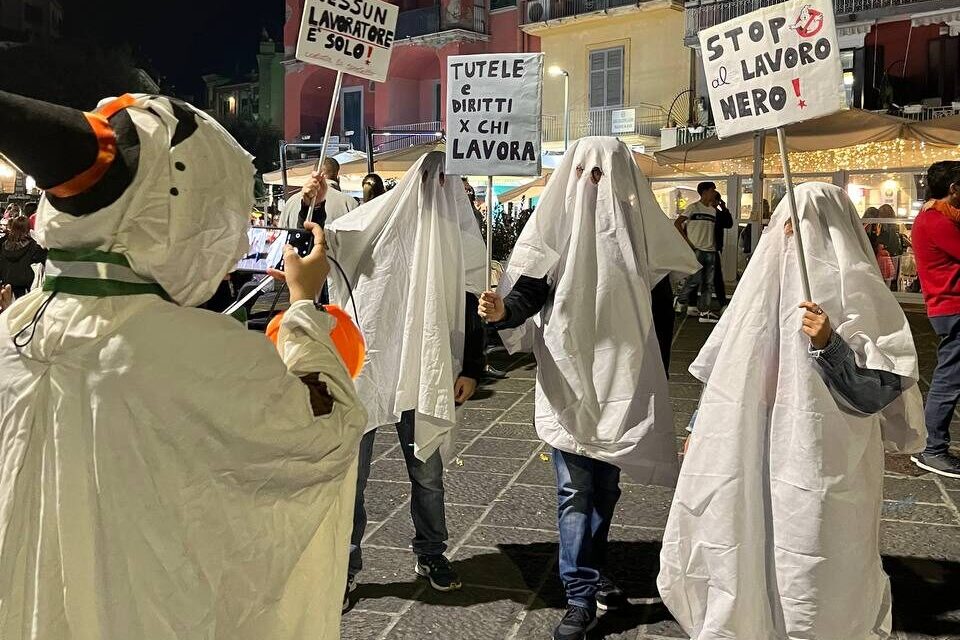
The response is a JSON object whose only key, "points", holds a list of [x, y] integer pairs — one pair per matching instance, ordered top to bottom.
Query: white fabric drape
{"points": [[411, 256], [601, 387], [774, 527]]}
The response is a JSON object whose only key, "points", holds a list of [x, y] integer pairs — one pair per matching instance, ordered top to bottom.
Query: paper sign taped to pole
{"points": [[352, 36], [773, 67], [493, 114]]}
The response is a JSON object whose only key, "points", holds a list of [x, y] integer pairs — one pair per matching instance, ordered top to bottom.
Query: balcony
{"points": [[540, 11], [701, 14], [427, 21], [647, 120], [402, 136]]}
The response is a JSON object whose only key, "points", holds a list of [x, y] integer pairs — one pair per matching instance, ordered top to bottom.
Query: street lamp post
{"points": [[556, 71]]}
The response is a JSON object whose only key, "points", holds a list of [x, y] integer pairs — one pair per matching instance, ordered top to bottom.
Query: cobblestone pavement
{"points": [[501, 514]]}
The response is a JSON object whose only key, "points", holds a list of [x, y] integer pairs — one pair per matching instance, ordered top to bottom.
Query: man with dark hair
{"points": [[297, 210], [698, 225], [936, 243]]}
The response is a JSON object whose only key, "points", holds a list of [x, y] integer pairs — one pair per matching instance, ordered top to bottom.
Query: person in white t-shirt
{"points": [[697, 224]]}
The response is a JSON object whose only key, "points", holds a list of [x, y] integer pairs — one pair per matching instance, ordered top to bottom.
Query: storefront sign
{"points": [[352, 36], [773, 67], [493, 114], [624, 121]]}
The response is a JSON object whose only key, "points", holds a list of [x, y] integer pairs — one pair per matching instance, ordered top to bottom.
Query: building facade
{"points": [[29, 21], [899, 56], [625, 62], [258, 96], [411, 101]]}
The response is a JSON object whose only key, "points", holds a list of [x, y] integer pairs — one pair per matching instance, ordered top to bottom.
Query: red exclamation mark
{"points": [[369, 53], [796, 91]]}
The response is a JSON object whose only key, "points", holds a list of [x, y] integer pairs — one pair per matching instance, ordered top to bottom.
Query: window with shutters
{"points": [[606, 78]]}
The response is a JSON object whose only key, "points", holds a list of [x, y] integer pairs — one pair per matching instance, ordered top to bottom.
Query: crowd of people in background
{"points": [[199, 449]]}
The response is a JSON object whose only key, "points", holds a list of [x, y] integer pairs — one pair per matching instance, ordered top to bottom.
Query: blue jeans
{"points": [[701, 281], [945, 387], [587, 494], [426, 496]]}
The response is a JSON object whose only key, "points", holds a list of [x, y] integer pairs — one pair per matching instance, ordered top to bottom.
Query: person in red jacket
{"points": [[936, 243]]}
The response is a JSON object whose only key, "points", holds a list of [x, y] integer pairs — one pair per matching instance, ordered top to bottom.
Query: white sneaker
{"points": [[693, 312]]}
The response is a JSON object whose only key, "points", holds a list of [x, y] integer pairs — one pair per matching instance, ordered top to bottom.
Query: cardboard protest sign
{"points": [[352, 36], [773, 67], [493, 114]]}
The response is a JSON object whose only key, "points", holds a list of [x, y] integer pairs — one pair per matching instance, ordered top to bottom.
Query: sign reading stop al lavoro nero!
{"points": [[353, 36], [773, 67], [493, 114]]}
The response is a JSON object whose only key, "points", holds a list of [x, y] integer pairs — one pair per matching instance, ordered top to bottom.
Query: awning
{"points": [[842, 129], [942, 132], [648, 167], [297, 174]]}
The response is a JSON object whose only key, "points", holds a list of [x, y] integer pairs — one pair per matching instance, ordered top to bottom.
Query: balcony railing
{"points": [[535, 11], [701, 14], [430, 20], [608, 121], [402, 136]]}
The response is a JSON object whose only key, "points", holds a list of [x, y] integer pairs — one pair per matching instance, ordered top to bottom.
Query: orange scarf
{"points": [[943, 207]]}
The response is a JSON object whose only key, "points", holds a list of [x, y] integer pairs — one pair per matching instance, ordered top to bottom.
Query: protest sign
{"points": [[351, 36], [773, 67], [493, 114]]}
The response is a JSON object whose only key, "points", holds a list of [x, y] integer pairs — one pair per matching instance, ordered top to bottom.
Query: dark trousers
{"points": [[701, 282], [718, 285], [945, 387], [587, 494], [426, 496]]}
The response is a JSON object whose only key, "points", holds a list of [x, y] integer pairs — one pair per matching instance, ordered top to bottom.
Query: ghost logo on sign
{"points": [[808, 23]]}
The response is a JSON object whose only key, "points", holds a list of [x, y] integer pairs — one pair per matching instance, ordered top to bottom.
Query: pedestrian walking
{"points": [[936, 247], [416, 261], [586, 263]]}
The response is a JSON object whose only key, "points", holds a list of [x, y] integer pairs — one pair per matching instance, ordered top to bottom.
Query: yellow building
{"points": [[626, 63]]}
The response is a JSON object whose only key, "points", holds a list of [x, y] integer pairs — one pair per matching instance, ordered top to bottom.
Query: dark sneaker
{"points": [[709, 317], [945, 464], [439, 572], [351, 587], [609, 596], [576, 624]]}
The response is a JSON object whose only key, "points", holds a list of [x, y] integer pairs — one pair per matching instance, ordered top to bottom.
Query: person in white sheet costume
{"points": [[416, 260], [585, 265], [164, 473], [774, 527]]}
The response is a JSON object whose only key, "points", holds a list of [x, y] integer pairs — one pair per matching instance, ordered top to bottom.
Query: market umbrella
{"points": [[841, 129], [942, 132], [392, 164]]}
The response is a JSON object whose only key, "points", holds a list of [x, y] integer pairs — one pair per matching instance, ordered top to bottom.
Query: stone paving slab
{"points": [[501, 497]]}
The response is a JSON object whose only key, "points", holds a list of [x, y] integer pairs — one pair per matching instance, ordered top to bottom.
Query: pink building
{"points": [[414, 95]]}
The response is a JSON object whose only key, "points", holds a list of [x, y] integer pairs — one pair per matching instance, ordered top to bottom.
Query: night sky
{"points": [[180, 40]]}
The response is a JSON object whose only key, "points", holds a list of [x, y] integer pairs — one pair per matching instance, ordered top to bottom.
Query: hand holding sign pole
{"points": [[350, 37], [771, 68]]}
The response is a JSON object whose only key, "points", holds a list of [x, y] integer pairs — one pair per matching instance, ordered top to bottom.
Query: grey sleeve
{"points": [[863, 391]]}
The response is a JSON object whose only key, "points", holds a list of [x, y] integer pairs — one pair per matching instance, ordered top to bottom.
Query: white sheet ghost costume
{"points": [[411, 255], [601, 386], [163, 475], [774, 527]]}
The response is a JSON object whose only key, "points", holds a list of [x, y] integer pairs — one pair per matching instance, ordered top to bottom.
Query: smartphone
{"points": [[266, 248]]}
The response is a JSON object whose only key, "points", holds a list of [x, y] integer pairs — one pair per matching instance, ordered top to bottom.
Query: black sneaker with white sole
{"points": [[709, 317], [944, 464], [438, 570], [609, 596], [576, 624]]}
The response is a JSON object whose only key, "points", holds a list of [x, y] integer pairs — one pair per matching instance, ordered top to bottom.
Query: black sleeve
{"points": [[319, 213], [724, 217], [38, 254], [661, 297], [524, 301], [473, 341]]}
